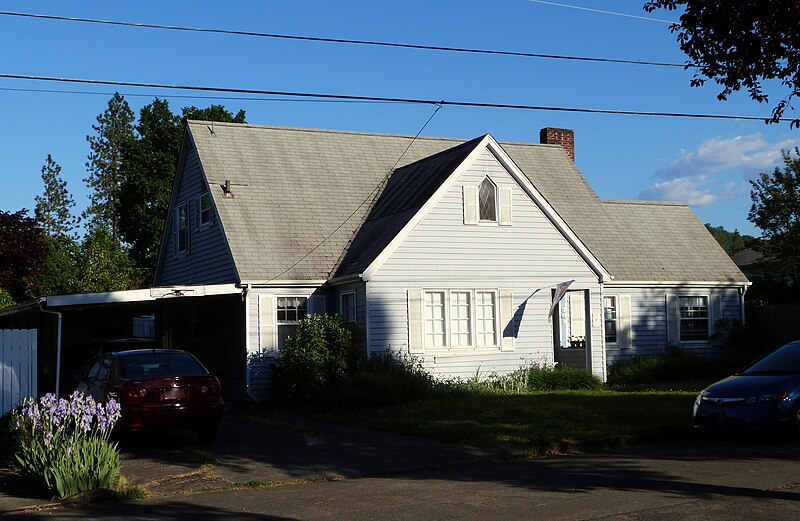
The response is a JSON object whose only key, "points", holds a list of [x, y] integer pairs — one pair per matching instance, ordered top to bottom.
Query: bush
{"points": [[324, 350], [676, 365], [383, 379], [561, 379], [68, 449]]}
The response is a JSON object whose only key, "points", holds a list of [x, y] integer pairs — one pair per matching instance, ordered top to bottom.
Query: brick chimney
{"points": [[559, 136]]}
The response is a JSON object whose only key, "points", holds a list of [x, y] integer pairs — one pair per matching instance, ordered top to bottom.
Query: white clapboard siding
{"points": [[525, 258]]}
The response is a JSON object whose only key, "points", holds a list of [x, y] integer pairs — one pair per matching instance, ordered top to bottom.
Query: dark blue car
{"points": [[764, 394]]}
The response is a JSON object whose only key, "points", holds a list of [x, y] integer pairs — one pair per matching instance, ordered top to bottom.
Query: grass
{"points": [[533, 423]]}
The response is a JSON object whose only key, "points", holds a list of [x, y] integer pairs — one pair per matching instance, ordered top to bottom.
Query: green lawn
{"points": [[534, 423]]}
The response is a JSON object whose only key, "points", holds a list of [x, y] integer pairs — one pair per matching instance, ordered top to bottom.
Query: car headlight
{"points": [[700, 396], [774, 397]]}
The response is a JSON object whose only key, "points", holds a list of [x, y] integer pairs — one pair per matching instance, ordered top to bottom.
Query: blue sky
{"points": [[704, 162]]}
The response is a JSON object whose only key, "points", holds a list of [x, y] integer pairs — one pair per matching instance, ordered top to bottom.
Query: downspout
{"points": [[742, 292], [58, 346]]}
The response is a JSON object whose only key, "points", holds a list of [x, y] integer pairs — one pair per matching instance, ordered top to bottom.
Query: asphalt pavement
{"points": [[304, 470]]}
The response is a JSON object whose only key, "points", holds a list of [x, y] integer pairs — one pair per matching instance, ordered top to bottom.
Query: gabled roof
{"points": [[300, 196]]}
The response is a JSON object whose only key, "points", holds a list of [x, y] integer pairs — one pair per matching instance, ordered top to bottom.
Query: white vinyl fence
{"points": [[18, 367]]}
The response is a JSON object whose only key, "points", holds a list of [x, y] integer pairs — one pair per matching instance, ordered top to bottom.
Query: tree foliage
{"points": [[740, 43], [114, 129], [148, 172], [54, 207], [776, 211], [732, 242], [23, 252], [104, 265], [60, 274]]}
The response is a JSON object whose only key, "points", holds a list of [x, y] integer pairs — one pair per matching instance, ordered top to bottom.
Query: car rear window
{"points": [[157, 364]]}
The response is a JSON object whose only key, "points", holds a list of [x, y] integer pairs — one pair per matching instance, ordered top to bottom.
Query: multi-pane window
{"points": [[487, 201], [205, 208], [182, 227], [348, 306], [290, 311], [610, 316], [486, 318], [694, 318], [435, 319], [460, 319]]}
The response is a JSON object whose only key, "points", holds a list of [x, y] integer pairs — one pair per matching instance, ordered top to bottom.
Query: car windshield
{"points": [[785, 360], [159, 364]]}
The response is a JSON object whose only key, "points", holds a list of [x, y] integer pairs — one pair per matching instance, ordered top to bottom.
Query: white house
{"points": [[445, 249]]}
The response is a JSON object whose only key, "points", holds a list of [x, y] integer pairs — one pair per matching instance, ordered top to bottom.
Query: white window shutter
{"points": [[470, 205], [505, 207], [316, 305], [714, 316], [507, 320], [577, 321], [673, 321], [266, 322], [624, 333], [416, 334]]}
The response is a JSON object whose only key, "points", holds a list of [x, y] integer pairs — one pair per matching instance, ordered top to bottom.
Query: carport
{"points": [[208, 321]]}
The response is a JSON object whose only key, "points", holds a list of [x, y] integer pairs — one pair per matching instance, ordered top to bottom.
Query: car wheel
{"points": [[207, 434]]}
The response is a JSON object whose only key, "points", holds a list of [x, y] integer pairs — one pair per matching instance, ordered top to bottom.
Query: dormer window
{"points": [[487, 201]]}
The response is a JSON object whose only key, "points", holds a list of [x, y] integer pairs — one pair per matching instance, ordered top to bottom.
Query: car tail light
{"points": [[208, 386], [132, 393]]}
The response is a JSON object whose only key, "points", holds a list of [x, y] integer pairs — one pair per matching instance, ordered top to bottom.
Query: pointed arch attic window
{"points": [[487, 201]]}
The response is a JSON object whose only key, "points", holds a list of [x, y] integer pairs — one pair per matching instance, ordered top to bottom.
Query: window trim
{"points": [[182, 207], [354, 307], [681, 318], [283, 323], [448, 347]]}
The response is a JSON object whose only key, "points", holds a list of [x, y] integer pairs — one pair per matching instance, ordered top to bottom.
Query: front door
{"points": [[570, 330]]}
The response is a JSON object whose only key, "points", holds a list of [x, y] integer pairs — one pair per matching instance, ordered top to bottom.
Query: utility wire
{"points": [[582, 8], [342, 40], [417, 101], [368, 200]]}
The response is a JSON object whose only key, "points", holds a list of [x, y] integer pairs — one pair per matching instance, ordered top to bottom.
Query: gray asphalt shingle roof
{"points": [[300, 196]]}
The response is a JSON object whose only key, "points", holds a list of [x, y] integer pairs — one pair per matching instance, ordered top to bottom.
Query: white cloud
{"points": [[747, 155], [692, 190]]}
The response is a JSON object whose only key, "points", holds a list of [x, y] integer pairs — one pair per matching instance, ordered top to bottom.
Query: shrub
{"points": [[324, 350], [676, 365], [383, 379], [561, 379], [68, 449]]}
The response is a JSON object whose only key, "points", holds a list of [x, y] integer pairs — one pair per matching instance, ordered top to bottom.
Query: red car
{"points": [[158, 389]]}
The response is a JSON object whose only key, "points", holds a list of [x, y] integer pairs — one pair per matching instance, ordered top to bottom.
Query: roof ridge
{"points": [[643, 202]]}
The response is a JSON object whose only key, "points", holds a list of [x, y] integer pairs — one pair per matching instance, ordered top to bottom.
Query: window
{"points": [[487, 201], [205, 209], [182, 227], [348, 306], [290, 311], [610, 316], [486, 318], [694, 318], [434, 319], [460, 319]]}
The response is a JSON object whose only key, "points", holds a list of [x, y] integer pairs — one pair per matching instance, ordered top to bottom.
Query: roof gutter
{"points": [[58, 344]]}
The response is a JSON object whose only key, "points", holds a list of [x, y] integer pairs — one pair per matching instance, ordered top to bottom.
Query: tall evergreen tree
{"points": [[113, 130], [148, 170], [54, 207]]}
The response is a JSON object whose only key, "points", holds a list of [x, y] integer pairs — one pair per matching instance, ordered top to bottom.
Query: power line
{"points": [[601, 11], [341, 40], [418, 101]]}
